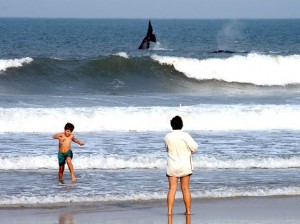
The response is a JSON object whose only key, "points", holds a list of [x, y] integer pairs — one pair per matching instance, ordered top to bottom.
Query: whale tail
{"points": [[149, 37]]}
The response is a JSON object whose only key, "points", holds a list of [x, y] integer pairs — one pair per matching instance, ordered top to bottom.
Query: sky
{"points": [[154, 9]]}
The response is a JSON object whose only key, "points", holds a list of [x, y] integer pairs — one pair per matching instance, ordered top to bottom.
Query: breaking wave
{"points": [[13, 63], [265, 70], [120, 73], [198, 118], [115, 162], [222, 192]]}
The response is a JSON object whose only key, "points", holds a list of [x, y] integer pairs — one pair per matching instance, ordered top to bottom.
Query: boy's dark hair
{"points": [[176, 123], [69, 126]]}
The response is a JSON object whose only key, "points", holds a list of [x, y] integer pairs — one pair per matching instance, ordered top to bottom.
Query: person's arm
{"points": [[57, 136], [77, 141], [191, 143], [166, 145]]}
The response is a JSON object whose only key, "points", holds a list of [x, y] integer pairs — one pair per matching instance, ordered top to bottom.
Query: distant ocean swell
{"points": [[257, 69], [198, 118], [115, 162], [221, 192]]}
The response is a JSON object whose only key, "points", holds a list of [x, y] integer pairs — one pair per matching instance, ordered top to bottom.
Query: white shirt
{"points": [[180, 146]]}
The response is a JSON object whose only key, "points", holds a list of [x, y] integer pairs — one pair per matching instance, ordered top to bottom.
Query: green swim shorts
{"points": [[63, 156]]}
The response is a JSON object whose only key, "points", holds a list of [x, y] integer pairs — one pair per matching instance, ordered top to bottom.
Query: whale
{"points": [[149, 37]]}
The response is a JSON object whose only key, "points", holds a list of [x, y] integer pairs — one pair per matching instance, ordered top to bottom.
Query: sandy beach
{"points": [[236, 210]]}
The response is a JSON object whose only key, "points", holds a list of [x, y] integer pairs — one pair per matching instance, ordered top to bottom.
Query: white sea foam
{"points": [[158, 47], [122, 54], [13, 63], [254, 68], [199, 117], [81, 162], [114, 162], [211, 162], [228, 192], [144, 196], [62, 198]]}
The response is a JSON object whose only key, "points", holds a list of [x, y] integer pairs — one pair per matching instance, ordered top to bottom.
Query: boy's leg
{"points": [[70, 165], [61, 173], [173, 181], [185, 188]]}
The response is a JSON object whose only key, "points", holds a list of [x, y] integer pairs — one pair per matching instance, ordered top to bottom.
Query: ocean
{"points": [[235, 83]]}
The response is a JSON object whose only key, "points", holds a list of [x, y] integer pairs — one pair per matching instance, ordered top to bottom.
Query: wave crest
{"points": [[13, 63], [264, 70]]}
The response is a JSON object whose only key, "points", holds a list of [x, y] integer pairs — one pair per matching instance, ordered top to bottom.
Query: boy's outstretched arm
{"points": [[57, 136], [77, 141]]}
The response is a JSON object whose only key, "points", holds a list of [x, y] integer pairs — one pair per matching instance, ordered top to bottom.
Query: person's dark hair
{"points": [[176, 123], [69, 126]]}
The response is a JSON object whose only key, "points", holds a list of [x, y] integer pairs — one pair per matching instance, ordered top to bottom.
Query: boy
{"points": [[65, 153]]}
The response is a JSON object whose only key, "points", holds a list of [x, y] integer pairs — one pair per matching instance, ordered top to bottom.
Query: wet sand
{"points": [[217, 211]]}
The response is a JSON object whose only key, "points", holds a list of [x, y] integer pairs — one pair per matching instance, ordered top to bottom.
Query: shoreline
{"points": [[279, 209]]}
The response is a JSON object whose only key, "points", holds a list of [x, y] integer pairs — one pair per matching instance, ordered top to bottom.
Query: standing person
{"points": [[180, 146], [65, 153]]}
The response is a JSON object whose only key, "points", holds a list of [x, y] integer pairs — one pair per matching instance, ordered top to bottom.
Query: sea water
{"points": [[241, 105]]}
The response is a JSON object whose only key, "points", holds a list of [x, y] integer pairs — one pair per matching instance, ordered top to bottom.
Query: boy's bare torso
{"points": [[64, 143]]}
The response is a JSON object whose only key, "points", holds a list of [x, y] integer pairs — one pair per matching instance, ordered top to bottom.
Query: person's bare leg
{"points": [[70, 165], [61, 173], [173, 181], [185, 188], [170, 219], [187, 219]]}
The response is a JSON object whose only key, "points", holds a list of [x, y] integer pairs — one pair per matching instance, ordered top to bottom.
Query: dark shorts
{"points": [[63, 156], [179, 177]]}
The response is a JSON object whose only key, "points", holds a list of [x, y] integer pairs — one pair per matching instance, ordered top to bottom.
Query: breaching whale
{"points": [[149, 37]]}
